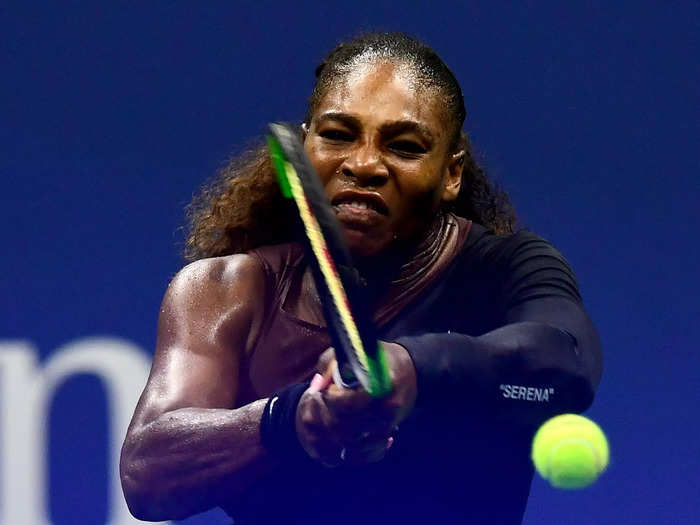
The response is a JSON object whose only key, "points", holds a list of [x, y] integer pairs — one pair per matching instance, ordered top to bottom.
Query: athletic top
{"points": [[496, 328], [293, 332]]}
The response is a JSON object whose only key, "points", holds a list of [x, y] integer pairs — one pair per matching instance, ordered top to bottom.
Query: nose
{"points": [[365, 164]]}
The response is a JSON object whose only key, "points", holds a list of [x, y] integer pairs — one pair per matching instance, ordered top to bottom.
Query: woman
{"points": [[484, 329]]}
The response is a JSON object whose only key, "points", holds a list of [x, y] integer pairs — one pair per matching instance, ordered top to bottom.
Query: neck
{"points": [[402, 258]]}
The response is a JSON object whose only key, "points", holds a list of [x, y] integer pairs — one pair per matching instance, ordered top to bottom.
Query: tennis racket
{"points": [[361, 359]]}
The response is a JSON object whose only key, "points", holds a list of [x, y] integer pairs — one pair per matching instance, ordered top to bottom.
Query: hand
{"points": [[391, 409], [333, 421], [331, 439]]}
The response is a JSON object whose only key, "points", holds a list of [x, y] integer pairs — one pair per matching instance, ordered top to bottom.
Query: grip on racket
{"points": [[379, 380]]}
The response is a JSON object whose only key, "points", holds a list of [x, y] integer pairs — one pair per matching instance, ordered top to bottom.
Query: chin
{"points": [[363, 246]]}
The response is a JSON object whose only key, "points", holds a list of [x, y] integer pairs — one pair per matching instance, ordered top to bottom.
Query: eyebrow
{"points": [[396, 127]]}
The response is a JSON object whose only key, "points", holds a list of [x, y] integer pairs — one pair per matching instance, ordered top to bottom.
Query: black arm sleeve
{"points": [[544, 360]]}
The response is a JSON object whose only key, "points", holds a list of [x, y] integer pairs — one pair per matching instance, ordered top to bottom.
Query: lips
{"points": [[353, 201]]}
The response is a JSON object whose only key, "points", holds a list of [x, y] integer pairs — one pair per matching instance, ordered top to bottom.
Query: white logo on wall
{"points": [[26, 390]]}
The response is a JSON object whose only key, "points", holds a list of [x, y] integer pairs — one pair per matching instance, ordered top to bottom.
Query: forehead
{"points": [[377, 92]]}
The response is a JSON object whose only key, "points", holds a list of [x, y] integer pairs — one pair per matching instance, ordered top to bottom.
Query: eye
{"points": [[337, 135], [407, 147]]}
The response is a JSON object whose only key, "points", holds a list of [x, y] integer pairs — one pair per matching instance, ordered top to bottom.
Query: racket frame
{"points": [[361, 358]]}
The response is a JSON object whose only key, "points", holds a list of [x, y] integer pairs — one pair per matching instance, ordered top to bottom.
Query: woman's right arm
{"points": [[187, 447]]}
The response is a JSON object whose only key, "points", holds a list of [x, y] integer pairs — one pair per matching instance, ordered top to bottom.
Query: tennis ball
{"points": [[570, 451]]}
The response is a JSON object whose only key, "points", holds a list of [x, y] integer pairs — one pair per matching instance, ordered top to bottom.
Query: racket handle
{"points": [[346, 378]]}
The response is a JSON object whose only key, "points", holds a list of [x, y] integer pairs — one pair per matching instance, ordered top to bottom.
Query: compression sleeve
{"points": [[544, 360]]}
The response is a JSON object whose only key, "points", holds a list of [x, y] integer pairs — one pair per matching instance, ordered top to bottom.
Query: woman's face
{"points": [[381, 145]]}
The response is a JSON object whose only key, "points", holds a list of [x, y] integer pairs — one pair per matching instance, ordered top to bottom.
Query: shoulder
{"points": [[509, 248], [523, 264], [216, 277], [215, 298]]}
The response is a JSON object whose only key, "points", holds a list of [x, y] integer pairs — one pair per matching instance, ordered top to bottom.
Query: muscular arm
{"points": [[187, 446]]}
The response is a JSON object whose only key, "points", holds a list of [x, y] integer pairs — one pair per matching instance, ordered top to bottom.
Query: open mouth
{"points": [[355, 202]]}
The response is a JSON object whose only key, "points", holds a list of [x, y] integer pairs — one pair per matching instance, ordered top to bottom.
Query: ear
{"points": [[304, 131], [453, 176]]}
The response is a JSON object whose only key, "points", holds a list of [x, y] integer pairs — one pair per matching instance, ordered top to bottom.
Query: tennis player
{"points": [[484, 327]]}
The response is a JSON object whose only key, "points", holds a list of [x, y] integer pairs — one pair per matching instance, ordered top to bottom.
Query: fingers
{"points": [[319, 383], [344, 400], [354, 412], [358, 412], [346, 425], [316, 426], [325, 433], [368, 450]]}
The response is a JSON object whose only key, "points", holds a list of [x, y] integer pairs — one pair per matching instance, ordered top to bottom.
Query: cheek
{"points": [[324, 164], [423, 183], [420, 195], [421, 206]]}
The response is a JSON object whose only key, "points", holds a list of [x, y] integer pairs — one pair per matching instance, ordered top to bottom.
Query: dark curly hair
{"points": [[242, 207]]}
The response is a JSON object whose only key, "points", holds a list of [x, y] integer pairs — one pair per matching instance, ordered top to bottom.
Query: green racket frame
{"points": [[361, 358]]}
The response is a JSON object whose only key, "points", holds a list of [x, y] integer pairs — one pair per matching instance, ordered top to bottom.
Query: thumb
{"points": [[323, 365], [318, 383]]}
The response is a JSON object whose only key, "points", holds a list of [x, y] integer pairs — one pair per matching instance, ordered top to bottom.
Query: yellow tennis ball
{"points": [[570, 451]]}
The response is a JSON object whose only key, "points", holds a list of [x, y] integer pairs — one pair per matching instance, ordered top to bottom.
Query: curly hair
{"points": [[242, 207]]}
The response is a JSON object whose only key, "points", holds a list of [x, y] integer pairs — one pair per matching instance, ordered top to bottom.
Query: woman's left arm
{"points": [[546, 360]]}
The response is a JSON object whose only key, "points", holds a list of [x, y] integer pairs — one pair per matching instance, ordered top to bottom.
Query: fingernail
{"points": [[316, 383]]}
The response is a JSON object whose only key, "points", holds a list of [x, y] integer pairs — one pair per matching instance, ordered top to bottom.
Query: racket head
{"points": [[346, 309]]}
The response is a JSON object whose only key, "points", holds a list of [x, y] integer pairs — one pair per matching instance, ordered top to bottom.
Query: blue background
{"points": [[113, 114]]}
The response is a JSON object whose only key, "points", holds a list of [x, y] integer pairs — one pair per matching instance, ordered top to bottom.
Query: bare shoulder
{"points": [[217, 277], [217, 298]]}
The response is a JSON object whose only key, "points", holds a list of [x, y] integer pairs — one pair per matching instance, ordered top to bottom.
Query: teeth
{"points": [[355, 204]]}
